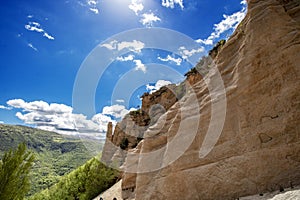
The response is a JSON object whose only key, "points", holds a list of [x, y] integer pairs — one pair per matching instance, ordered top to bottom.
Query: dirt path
{"points": [[114, 191]]}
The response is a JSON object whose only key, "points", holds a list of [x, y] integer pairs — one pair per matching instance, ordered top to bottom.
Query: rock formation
{"points": [[130, 131], [258, 148]]}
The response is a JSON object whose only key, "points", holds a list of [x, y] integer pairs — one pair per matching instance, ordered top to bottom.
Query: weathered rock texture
{"points": [[165, 97], [130, 131], [259, 148]]}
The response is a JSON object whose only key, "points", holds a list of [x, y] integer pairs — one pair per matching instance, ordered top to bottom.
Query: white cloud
{"points": [[92, 2], [244, 2], [171, 3], [136, 6], [95, 10], [30, 16], [148, 19], [228, 23], [36, 27], [48, 36], [208, 41], [135, 45], [31, 46], [111, 46], [185, 53], [124, 59], [172, 59], [138, 63], [140, 66], [157, 86], [120, 101], [40, 106], [5, 108], [117, 111], [59, 117], [102, 120], [1, 122]]}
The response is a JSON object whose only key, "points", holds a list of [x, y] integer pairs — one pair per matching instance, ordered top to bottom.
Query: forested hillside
{"points": [[55, 154], [84, 183]]}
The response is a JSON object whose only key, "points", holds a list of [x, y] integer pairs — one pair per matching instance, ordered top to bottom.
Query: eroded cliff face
{"points": [[130, 131], [259, 146]]}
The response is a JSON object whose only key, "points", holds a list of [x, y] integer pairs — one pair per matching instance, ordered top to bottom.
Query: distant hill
{"points": [[56, 154]]}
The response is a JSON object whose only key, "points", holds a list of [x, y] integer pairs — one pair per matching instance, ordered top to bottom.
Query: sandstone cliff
{"points": [[130, 131], [258, 148]]}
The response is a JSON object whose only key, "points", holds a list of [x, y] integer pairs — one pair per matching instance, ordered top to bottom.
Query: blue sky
{"points": [[44, 45]]}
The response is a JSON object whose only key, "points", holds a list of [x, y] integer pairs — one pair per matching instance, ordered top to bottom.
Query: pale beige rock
{"points": [[259, 148], [113, 192], [287, 194]]}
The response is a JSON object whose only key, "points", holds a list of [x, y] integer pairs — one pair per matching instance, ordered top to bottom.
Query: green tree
{"points": [[14, 173], [84, 183]]}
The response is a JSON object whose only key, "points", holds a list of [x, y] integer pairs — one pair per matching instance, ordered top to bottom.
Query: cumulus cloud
{"points": [[171, 3], [136, 6], [29, 16], [148, 19], [229, 22], [36, 27], [134, 45], [111, 46], [33, 47], [185, 53], [124, 59], [171, 59], [138, 63], [139, 66], [157, 86], [40, 106], [5, 107], [117, 111], [57, 117], [60, 117]]}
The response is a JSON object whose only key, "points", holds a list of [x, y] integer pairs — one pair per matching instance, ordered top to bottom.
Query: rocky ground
{"points": [[113, 192], [288, 194]]}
